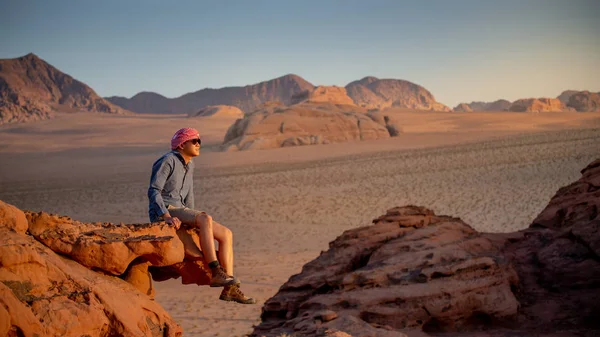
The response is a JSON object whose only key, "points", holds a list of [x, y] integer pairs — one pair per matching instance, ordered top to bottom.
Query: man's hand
{"points": [[171, 221]]}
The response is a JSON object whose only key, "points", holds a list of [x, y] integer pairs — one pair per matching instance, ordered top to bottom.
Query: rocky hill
{"points": [[31, 89], [373, 93], [246, 98], [499, 105], [415, 273]]}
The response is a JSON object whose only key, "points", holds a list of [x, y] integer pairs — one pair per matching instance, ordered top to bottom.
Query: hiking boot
{"points": [[221, 279], [234, 294]]}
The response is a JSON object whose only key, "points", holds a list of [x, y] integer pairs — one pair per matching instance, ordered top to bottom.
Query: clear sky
{"points": [[459, 50]]}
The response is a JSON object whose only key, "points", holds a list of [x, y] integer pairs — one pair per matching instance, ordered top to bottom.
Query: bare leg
{"points": [[204, 224], [225, 238]]}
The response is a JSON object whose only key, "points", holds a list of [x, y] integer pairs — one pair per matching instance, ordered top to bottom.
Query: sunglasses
{"points": [[196, 141]]}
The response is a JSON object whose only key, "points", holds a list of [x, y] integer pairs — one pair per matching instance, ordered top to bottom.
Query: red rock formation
{"points": [[31, 89], [416, 273], [60, 277]]}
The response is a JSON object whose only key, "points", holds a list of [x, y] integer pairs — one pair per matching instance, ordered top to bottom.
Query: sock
{"points": [[214, 264]]}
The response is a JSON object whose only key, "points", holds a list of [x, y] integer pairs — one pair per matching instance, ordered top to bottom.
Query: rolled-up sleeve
{"points": [[160, 172]]}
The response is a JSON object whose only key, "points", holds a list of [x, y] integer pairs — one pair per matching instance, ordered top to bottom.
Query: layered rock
{"points": [[31, 89], [373, 93], [245, 98], [584, 101], [499, 105], [537, 105], [218, 111], [302, 124], [416, 273], [61, 277]]}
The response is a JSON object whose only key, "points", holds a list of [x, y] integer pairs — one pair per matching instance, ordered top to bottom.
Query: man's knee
{"points": [[204, 220], [228, 234]]}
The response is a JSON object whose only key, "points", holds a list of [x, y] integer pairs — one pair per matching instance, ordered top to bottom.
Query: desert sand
{"points": [[496, 171]]}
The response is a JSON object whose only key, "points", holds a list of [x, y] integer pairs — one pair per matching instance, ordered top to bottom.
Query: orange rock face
{"points": [[416, 273], [61, 277]]}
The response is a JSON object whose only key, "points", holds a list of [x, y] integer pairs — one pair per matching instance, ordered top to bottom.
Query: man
{"points": [[171, 199]]}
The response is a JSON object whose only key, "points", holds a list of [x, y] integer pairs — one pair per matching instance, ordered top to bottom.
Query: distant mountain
{"points": [[31, 89], [370, 92], [373, 93], [565, 95], [246, 98], [583, 101], [499, 105]]}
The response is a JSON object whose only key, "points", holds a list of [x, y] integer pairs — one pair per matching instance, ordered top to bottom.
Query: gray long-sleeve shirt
{"points": [[171, 183]]}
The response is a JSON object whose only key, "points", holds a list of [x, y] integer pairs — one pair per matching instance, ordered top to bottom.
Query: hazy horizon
{"points": [[462, 51]]}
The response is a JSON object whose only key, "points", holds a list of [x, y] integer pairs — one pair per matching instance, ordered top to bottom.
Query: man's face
{"points": [[191, 147]]}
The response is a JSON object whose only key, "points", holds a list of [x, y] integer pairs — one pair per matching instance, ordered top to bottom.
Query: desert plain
{"points": [[494, 170]]}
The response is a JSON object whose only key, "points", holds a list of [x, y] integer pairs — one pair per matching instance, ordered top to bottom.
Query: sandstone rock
{"points": [[31, 89], [373, 93], [323, 94], [584, 101], [537, 105], [218, 111], [302, 124], [12, 218], [107, 247], [411, 269], [421, 274], [45, 294]]}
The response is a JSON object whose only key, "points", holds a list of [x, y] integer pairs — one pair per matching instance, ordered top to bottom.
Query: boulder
{"points": [[303, 124], [61, 277]]}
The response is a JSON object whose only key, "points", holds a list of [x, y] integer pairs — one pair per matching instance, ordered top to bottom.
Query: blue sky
{"points": [[459, 50]]}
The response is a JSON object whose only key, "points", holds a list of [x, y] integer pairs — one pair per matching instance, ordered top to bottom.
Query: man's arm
{"points": [[161, 170], [189, 199]]}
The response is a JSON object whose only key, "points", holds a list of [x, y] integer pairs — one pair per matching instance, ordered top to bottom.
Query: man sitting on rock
{"points": [[171, 199]]}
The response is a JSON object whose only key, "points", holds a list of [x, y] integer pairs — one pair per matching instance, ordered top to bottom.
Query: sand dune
{"points": [[494, 170]]}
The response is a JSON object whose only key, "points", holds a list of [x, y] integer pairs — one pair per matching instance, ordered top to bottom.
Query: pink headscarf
{"points": [[182, 136]]}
